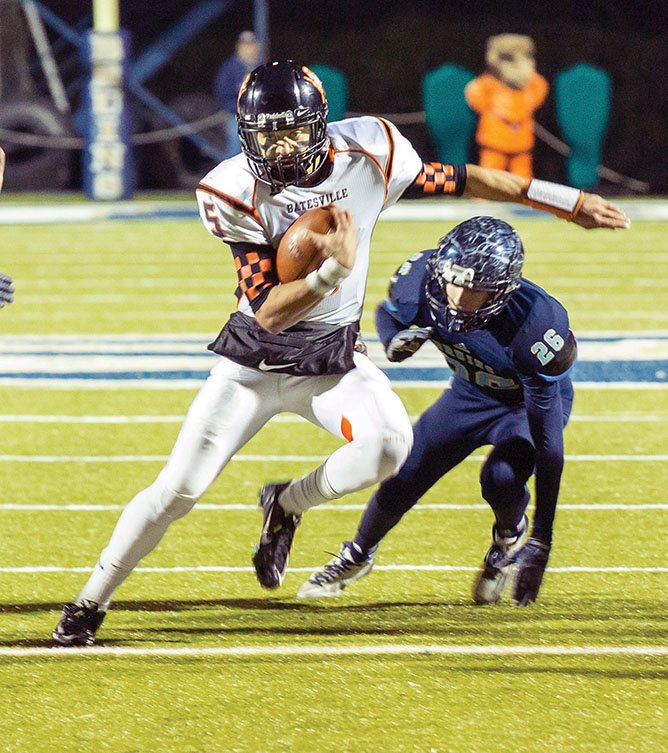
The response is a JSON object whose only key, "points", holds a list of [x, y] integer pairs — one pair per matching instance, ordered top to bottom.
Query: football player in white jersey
{"points": [[295, 346]]}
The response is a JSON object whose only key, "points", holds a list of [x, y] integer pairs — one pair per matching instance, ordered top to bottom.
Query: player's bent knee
{"points": [[394, 447], [498, 476], [503, 479], [174, 505]]}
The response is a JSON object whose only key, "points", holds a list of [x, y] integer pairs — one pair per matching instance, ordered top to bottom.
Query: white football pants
{"points": [[234, 403]]}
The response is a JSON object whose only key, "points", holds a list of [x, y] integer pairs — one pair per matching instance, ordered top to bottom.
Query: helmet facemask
{"points": [[306, 133], [481, 254]]}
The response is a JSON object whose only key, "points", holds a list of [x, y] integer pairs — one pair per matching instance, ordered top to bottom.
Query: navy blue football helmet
{"points": [[276, 100], [483, 254]]}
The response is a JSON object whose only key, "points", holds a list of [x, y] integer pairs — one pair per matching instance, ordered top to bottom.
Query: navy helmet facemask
{"points": [[282, 100], [483, 254]]}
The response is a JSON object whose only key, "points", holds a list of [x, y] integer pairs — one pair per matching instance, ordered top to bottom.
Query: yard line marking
{"points": [[185, 211], [100, 283], [191, 384], [28, 418], [279, 458], [211, 506], [31, 569], [320, 650]]}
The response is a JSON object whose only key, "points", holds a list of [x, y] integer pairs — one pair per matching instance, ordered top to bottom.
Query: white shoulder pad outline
{"points": [[388, 148]]}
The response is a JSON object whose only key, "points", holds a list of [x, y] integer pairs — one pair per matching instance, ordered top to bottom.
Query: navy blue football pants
{"points": [[463, 419]]}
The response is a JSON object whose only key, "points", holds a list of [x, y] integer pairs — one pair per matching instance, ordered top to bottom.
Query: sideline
{"points": [[140, 210], [141, 360]]}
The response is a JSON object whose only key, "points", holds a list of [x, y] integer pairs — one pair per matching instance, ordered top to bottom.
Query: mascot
{"points": [[505, 98]]}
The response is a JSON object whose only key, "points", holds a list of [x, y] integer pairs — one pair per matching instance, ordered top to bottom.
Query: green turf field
{"points": [[196, 658]]}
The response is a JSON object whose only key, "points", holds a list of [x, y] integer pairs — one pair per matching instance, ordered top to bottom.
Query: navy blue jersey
{"points": [[529, 338], [520, 358]]}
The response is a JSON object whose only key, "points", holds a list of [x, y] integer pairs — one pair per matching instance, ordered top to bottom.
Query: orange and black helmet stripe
{"points": [[313, 79], [243, 87]]}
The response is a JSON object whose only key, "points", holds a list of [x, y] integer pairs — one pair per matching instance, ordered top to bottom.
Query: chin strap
{"points": [[563, 201]]}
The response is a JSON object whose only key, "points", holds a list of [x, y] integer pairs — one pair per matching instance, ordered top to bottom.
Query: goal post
{"points": [[106, 16], [108, 160]]}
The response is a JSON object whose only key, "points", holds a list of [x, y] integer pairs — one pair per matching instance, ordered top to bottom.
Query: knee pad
{"points": [[391, 451], [506, 471]]}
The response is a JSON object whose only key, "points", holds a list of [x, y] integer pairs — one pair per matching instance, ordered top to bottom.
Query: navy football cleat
{"points": [[278, 529], [349, 565], [493, 576], [78, 624]]}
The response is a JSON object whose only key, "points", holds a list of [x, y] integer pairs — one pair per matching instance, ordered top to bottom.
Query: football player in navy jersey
{"points": [[294, 346], [511, 350]]}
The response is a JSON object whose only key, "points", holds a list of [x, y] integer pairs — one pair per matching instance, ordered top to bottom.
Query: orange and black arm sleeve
{"points": [[435, 179], [256, 272]]}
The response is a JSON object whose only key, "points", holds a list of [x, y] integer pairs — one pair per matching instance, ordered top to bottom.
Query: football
{"points": [[297, 255]]}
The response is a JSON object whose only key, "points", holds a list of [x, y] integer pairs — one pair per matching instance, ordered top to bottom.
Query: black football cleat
{"points": [[278, 529], [78, 624]]}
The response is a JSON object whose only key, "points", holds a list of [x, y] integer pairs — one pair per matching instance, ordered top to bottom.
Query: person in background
{"points": [[228, 80]]}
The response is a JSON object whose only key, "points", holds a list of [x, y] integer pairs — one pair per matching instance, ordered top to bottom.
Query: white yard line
{"points": [[102, 283], [76, 383], [29, 418], [282, 458], [204, 506], [320, 650]]}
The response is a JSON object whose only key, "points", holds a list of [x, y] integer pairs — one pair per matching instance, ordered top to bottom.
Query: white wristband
{"points": [[553, 195], [332, 273], [327, 277], [317, 285]]}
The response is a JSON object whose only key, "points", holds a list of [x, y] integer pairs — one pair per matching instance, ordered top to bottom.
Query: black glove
{"points": [[6, 290], [407, 342], [530, 562]]}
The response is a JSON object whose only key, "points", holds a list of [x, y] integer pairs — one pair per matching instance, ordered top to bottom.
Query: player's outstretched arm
{"points": [[2, 166], [585, 209]]}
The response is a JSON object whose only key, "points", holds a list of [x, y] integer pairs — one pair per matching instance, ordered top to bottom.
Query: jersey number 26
{"points": [[544, 349]]}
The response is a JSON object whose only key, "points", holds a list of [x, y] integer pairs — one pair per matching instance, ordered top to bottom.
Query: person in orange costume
{"points": [[505, 98]]}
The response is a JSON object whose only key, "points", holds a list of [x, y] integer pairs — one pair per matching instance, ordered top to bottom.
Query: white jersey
{"points": [[373, 164]]}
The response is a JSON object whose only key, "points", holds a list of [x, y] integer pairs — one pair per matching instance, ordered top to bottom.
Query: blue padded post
{"points": [[335, 84], [583, 96], [450, 121]]}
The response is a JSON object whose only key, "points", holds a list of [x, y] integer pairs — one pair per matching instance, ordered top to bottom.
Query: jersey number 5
{"points": [[212, 219], [544, 349]]}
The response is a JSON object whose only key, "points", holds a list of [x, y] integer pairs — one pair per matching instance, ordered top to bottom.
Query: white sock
{"points": [[307, 491]]}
